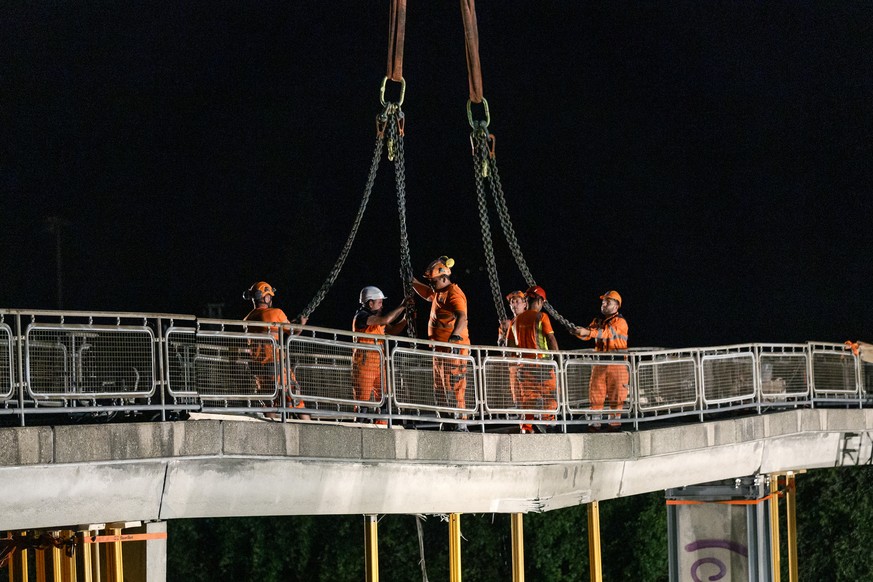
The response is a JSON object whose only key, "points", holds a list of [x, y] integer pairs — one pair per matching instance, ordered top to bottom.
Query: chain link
{"points": [[481, 155], [512, 241], [405, 260]]}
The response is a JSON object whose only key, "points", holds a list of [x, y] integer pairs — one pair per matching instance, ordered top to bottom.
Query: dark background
{"points": [[709, 160]]}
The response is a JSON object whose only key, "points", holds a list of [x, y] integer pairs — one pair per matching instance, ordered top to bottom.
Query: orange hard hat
{"points": [[441, 267], [259, 290], [536, 291], [514, 294], [612, 295]]}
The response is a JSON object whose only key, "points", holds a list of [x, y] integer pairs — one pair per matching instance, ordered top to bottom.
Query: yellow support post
{"points": [[790, 517], [517, 520], [774, 527], [455, 547], [371, 548], [85, 553], [40, 556], [58, 563], [68, 563], [18, 564], [594, 566]]}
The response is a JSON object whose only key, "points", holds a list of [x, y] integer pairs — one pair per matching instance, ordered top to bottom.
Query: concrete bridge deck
{"points": [[69, 475]]}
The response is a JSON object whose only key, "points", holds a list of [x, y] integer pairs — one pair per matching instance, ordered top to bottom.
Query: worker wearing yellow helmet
{"points": [[517, 305], [447, 323], [264, 355], [609, 383]]}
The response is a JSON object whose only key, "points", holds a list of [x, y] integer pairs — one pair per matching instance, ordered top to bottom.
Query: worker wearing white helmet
{"points": [[366, 369]]}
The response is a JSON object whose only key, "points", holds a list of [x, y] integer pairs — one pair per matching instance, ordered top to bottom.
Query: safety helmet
{"points": [[441, 267], [258, 291], [536, 291], [369, 292], [514, 294], [612, 295]]}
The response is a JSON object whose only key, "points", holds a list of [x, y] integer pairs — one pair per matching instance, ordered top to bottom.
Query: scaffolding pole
{"points": [[517, 520], [791, 527], [455, 547], [371, 548], [594, 565]]}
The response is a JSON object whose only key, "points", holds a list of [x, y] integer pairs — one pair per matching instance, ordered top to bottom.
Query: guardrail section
{"points": [[97, 361], [584, 371], [782, 371], [835, 371], [729, 374], [434, 380], [7, 381], [666, 381], [513, 385]]}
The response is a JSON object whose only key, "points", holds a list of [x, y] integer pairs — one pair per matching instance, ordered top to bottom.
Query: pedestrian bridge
{"points": [[91, 404], [220, 468]]}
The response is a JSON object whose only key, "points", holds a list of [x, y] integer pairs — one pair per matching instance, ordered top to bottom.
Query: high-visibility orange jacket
{"points": [[444, 304], [359, 324], [530, 330], [610, 333], [260, 353]]}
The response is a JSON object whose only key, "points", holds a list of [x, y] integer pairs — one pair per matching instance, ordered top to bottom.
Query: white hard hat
{"points": [[370, 292]]}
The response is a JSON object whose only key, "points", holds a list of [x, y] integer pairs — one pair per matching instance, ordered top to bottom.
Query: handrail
{"points": [[165, 364]]}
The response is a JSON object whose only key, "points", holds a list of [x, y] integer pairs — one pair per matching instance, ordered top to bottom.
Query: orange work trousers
{"points": [[367, 376], [265, 378], [450, 379], [608, 385], [537, 388]]}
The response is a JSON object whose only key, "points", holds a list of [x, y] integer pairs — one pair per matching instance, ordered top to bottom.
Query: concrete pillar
{"points": [[720, 531]]}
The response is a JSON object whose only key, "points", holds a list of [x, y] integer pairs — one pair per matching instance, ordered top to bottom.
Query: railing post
{"points": [[790, 516], [517, 520], [774, 526], [455, 547], [371, 548], [595, 568]]}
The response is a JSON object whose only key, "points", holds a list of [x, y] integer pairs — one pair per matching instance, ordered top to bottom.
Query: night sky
{"points": [[709, 160]]}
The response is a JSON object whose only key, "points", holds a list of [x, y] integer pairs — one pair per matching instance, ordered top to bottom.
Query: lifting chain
{"points": [[381, 120], [395, 135], [481, 161], [509, 232]]}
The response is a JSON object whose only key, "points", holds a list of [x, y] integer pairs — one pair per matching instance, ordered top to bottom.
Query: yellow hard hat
{"points": [[441, 267], [612, 295]]}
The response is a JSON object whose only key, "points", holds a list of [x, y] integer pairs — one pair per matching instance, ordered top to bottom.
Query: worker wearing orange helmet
{"points": [[517, 305], [447, 323], [532, 329], [263, 357], [367, 371], [608, 384]]}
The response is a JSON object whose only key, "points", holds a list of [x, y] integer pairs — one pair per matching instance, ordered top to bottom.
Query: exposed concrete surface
{"points": [[210, 468]]}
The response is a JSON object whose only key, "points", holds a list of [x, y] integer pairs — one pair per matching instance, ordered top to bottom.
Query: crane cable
{"points": [[391, 122], [485, 168]]}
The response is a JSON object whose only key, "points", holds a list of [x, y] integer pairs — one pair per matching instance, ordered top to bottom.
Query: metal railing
{"points": [[164, 365]]}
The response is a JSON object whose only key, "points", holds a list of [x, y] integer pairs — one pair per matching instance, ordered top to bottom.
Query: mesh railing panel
{"points": [[179, 351], [95, 361], [237, 366], [6, 367], [329, 371], [582, 373], [834, 373], [783, 376], [728, 377], [867, 378], [423, 380], [666, 383], [514, 386]]}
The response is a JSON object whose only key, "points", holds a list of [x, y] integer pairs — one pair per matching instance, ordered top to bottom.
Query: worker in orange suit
{"points": [[517, 305], [447, 323], [532, 329], [263, 357], [367, 370], [609, 383]]}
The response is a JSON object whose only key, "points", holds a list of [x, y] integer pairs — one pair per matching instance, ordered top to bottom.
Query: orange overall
{"points": [[263, 358], [366, 364], [449, 375], [609, 383], [536, 386]]}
